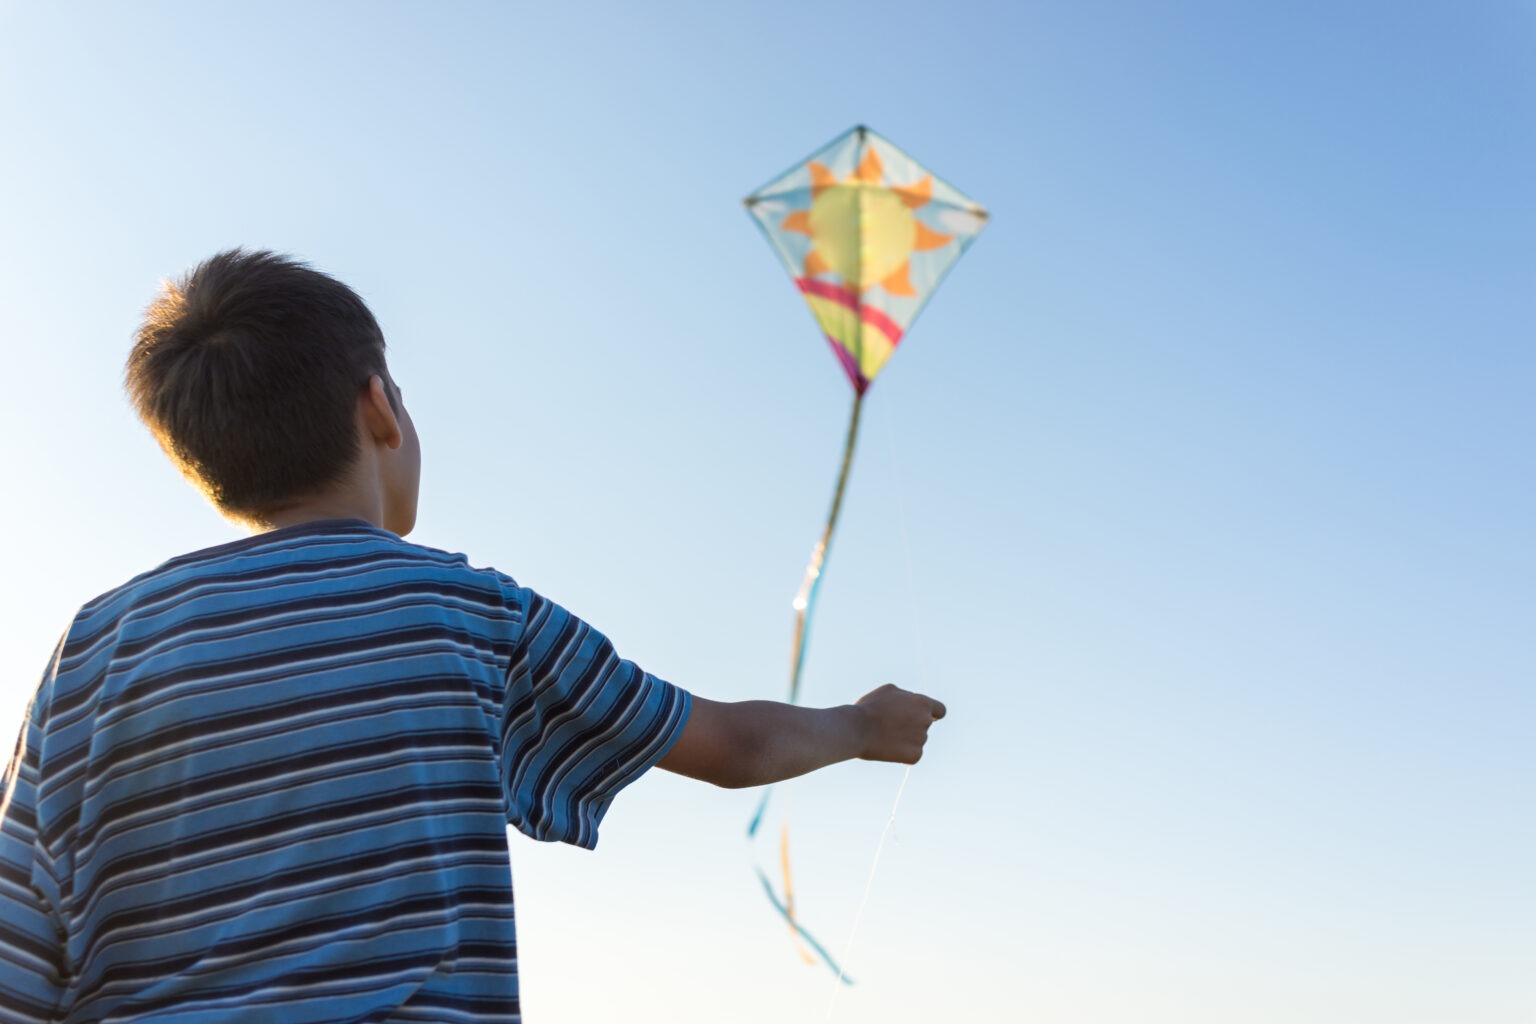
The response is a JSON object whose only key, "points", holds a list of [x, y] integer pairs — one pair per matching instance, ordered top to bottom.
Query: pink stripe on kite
{"points": [[827, 290], [845, 296], [883, 323]]}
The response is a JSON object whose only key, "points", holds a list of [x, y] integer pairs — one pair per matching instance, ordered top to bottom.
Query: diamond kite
{"points": [[867, 234]]}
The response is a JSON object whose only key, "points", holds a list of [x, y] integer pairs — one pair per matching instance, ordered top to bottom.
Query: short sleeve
{"points": [[579, 723], [32, 960]]}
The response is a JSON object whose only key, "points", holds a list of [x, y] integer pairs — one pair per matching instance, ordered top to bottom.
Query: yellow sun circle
{"points": [[862, 230], [864, 234]]}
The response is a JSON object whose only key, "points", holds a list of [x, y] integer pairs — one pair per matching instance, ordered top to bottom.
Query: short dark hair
{"points": [[247, 369]]}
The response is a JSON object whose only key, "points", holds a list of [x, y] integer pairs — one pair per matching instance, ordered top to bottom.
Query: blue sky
{"points": [[1201, 492]]}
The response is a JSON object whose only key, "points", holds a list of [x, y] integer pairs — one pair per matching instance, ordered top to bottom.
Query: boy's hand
{"points": [[896, 724]]}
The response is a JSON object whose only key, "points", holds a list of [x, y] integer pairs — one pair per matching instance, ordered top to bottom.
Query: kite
{"points": [[867, 234]]}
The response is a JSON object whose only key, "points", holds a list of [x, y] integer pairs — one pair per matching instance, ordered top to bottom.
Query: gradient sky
{"points": [[1202, 491]]}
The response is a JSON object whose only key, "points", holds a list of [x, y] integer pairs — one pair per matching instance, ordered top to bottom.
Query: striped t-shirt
{"points": [[270, 781]]}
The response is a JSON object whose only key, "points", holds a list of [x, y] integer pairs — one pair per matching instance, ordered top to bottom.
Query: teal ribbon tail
{"points": [[762, 809], [810, 940]]}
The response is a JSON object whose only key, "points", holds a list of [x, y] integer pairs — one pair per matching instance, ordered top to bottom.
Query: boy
{"points": [[270, 780]]}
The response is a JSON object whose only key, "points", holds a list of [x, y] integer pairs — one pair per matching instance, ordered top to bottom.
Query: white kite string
{"points": [[890, 821], [869, 885]]}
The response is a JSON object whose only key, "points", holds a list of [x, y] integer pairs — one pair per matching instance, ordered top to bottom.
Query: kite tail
{"points": [[805, 599], [804, 605], [789, 896], [800, 931]]}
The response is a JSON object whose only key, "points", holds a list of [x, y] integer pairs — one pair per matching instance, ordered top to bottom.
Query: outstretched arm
{"points": [[756, 742]]}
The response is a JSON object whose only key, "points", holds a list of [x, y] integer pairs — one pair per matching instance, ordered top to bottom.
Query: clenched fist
{"points": [[896, 724]]}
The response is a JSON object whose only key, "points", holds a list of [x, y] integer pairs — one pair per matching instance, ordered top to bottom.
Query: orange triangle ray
{"points": [[870, 170], [822, 178], [916, 195], [799, 221], [927, 238], [815, 264], [897, 282]]}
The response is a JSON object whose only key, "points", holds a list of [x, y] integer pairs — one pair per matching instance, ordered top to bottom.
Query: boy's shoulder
{"points": [[322, 556]]}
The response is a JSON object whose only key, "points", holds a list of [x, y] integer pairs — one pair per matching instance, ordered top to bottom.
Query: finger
{"points": [[937, 710]]}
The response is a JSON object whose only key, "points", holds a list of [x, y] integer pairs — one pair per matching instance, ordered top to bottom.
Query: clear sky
{"points": [[1202, 492]]}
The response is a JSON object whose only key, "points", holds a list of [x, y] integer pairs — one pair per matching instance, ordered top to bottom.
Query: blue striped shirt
{"points": [[271, 781]]}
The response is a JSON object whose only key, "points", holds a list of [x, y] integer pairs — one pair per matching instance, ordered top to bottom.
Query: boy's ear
{"points": [[378, 414]]}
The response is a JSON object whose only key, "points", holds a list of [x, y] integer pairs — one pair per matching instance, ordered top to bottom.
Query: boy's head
{"points": [[254, 372]]}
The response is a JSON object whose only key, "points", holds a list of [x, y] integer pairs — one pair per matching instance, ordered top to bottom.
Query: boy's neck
{"points": [[353, 500], [298, 516]]}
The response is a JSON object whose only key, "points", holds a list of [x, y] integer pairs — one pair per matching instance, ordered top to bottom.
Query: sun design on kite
{"points": [[863, 230]]}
